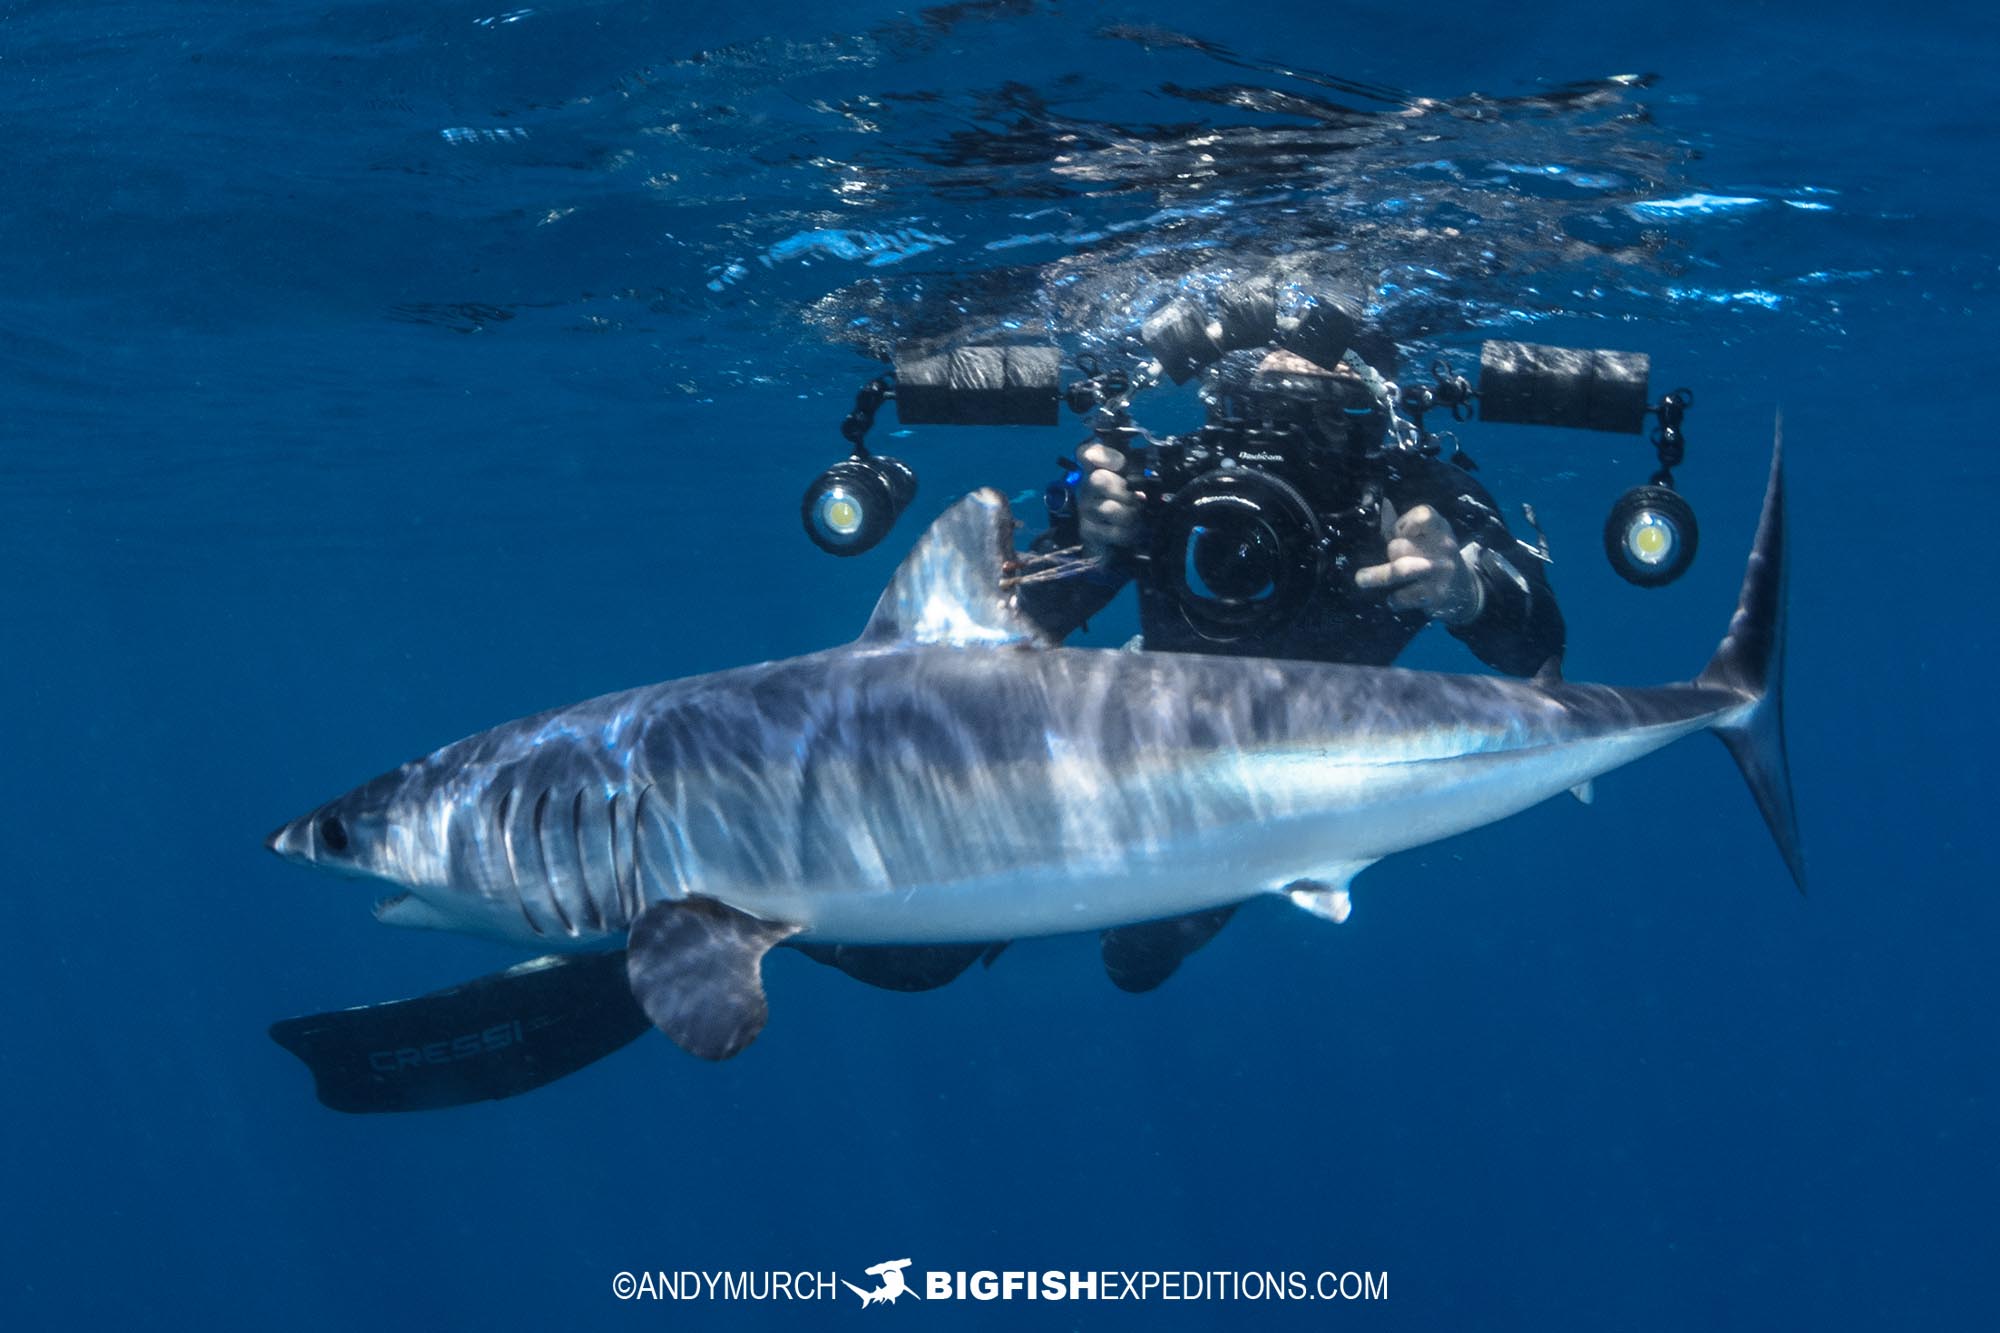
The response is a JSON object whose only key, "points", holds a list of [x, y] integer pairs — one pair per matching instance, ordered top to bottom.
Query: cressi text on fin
{"points": [[696, 967], [494, 1037]]}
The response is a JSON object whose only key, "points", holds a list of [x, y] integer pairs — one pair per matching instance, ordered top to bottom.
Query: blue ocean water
{"points": [[372, 373]]}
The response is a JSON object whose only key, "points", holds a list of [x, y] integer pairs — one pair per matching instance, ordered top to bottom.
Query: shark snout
{"points": [[293, 841]]}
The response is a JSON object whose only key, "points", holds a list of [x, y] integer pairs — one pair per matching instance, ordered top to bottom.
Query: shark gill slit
{"points": [[630, 803], [501, 821], [638, 832], [576, 842], [541, 845], [617, 871], [513, 872], [548, 881], [553, 893], [593, 915]]}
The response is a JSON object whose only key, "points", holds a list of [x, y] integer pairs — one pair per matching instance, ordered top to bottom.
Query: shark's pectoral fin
{"points": [[1325, 894], [1138, 958], [899, 967], [696, 968]]}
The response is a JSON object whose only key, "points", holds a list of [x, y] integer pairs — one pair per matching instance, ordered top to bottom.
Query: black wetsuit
{"points": [[1519, 630]]}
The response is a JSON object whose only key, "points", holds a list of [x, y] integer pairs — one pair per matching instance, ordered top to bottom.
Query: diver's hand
{"points": [[1107, 509], [1427, 571]]}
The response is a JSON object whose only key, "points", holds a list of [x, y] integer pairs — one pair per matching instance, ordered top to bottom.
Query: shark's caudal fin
{"points": [[1750, 662]]}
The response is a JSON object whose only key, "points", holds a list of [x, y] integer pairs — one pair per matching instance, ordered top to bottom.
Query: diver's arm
{"points": [[1093, 509], [1452, 556], [1060, 606], [1519, 628]]}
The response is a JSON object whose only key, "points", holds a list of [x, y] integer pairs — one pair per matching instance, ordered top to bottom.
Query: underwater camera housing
{"points": [[1242, 510], [1237, 547]]}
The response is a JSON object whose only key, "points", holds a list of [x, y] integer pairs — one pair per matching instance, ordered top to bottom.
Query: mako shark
{"points": [[949, 779]]}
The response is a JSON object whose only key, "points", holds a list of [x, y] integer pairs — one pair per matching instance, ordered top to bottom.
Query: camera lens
{"points": [[1239, 551], [1235, 560]]}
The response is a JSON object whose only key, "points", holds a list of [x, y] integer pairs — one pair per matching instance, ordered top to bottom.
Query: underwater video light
{"points": [[853, 504], [1650, 536]]}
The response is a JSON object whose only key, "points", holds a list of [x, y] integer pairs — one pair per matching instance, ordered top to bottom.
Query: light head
{"points": [[852, 505], [1650, 536]]}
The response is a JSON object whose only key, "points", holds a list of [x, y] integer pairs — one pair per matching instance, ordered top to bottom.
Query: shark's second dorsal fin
{"points": [[949, 588]]}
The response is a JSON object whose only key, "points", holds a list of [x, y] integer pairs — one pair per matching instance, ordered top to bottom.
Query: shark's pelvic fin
{"points": [[951, 588], [1750, 663], [1138, 958], [898, 967], [696, 968]]}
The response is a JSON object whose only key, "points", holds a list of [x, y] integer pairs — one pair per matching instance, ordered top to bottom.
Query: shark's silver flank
{"points": [[948, 779]]}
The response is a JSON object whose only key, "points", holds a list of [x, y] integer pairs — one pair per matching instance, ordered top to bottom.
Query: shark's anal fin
{"points": [[951, 587], [1584, 791], [1325, 893], [1322, 900], [1138, 958], [696, 967], [899, 967]]}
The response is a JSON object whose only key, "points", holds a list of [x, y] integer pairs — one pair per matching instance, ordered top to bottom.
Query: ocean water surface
{"points": [[372, 373]]}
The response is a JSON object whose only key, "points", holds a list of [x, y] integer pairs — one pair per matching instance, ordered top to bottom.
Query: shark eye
{"points": [[333, 833]]}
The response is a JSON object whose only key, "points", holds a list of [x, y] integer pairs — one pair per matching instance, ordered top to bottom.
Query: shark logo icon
{"points": [[893, 1285]]}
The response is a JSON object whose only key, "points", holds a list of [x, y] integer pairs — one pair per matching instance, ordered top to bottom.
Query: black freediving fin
{"points": [[1138, 958], [696, 967], [900, 967], [497, 1036]]}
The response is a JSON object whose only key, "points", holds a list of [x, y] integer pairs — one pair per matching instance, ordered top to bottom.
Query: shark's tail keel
{"points": [[1750, 662]]}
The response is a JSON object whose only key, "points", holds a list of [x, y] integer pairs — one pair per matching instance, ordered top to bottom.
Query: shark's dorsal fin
{"points": [[949, 588]]}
